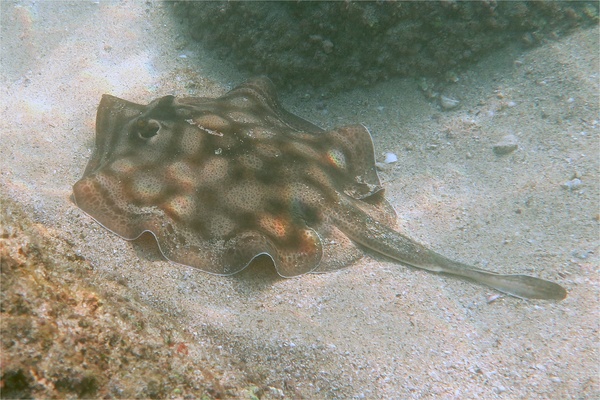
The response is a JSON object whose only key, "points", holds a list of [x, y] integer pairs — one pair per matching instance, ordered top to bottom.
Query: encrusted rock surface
{"points": [[342, 44], [63, 335]]}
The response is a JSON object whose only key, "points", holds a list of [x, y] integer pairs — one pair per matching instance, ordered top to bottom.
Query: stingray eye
{"points": [[147, 129]]}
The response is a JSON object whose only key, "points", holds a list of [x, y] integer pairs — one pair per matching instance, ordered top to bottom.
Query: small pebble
{"points": [[448, 103], [320, 105], [506, 145], [390, 158], [382, 166], [572, 184], [582, 255], [493, 298], [500, 389], [276, 392]]}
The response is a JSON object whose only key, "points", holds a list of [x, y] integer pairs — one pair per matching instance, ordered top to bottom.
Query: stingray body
{"points": [[220, 181]]}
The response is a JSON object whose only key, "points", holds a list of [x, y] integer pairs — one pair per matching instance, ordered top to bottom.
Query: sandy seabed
{"points": [[102, 319]]}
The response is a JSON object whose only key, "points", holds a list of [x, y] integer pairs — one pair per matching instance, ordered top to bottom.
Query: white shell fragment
{"points": [[448, 103], [390, 158], [572, 184]]}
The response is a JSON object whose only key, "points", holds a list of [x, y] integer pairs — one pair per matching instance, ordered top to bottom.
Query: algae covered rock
{"points": [[344, 44]]}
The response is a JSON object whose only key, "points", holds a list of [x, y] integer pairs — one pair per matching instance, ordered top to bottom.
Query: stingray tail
{"points": [[364, 230], [523, 286]]}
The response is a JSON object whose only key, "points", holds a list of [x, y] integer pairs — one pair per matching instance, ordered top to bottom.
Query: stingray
{"points": [[221, 181]]}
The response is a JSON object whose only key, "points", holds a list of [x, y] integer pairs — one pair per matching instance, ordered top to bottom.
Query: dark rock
{"points": [[337, 45]]}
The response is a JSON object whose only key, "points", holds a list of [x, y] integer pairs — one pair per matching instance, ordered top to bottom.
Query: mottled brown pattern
{"points": [[220, 181]]}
